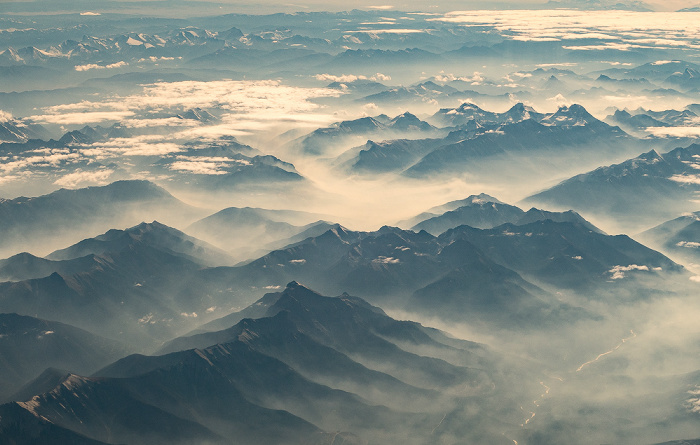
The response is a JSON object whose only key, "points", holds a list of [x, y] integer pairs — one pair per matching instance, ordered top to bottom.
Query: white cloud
{"points": [[90, 13], [630, 28], [93, 66], [379, 77], [341, 78], [475, 79], [560, 100], [5, 116], [678, 132], [46, 158], [199, 167], [78, 177], [686, 179], [385, 260], [618, 272]]}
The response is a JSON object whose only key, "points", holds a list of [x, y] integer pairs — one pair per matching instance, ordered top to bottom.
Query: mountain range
{"points": [[639, 192], [73, 213], [308, 369]]}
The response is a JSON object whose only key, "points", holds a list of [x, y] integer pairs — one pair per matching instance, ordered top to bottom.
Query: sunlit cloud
{"points": [[632, 29], [390, 31], [93, 66], [247, 103], [82, 118], [678, 132], [48, 158], [200, 167], [99, 177], [686, 179], [618, 272]]}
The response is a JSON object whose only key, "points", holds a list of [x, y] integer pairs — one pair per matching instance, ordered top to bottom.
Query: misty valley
{"points": [[370, 226]]}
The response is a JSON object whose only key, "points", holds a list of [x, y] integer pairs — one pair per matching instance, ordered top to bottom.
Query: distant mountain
{"points": [[594, 5], [373, 57], [659, 70], [688, 79], [360, 86], [415, 94], [198, 114], [463, 114], [572, 116], [679, 118], [637, 122], [568, 128], [13, 130], [479, 138], [323, 140], [230, 169], [639, 191], [447, 207], [72, 213], [479, 213], [487, 214], [535, 215], [233, 228], [154, 234], [679, 237], [565, 254], [388, 264], [25, 266], [132, 285], [29, 345], [323, 363]]}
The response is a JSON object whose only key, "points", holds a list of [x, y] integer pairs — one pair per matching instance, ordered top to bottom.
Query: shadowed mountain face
{"points": [[18, 131], [480, 138], [324, 139], [651, 187], [487, 212], [73, 213], [233, 228], [679, 237], [465, 272], [124, 284], [29, 345], [311, 367]]}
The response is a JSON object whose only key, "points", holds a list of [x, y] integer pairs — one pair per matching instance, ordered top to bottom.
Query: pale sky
{"points": [[270, 6]]}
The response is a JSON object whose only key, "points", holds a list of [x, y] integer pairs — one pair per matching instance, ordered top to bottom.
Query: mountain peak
{"points": [[294, 285]]}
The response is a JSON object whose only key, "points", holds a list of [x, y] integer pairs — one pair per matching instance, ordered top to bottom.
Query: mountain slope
{"points": [[638, 192], [73, 213], [131, 285], [28, 345], [224, 393]]}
